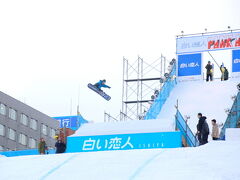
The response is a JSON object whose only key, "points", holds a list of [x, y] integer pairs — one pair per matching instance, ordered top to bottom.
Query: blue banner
{"points": [[236, 61], [190, 64], [73, 122], [124, 141]]}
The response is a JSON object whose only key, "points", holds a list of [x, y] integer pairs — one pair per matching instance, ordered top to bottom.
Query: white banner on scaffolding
{"points": [[212, 42]]}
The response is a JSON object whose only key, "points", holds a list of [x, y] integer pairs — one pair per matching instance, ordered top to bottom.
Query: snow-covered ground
{"points": [[209, 98], [217, 160]]}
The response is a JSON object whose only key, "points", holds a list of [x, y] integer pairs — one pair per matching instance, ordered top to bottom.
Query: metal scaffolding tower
{"points": [[140, 80]]}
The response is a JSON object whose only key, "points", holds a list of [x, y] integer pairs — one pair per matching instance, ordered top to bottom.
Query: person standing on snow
{"points": [[209, 68], [222, 69], [226, 74], [100, 84], [199, 127], [202, 129], [215, 130], [205, 131], [60, 146], [42, 147]]}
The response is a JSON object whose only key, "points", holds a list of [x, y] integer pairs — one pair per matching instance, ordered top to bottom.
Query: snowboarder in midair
{"points": [[100, 84], [97, 88]]}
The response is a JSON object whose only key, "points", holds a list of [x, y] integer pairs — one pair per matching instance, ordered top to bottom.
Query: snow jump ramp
{"points": [[212, 99]]}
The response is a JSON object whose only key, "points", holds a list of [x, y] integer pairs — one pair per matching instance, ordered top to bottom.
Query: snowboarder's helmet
{"points": [[104, 80]]}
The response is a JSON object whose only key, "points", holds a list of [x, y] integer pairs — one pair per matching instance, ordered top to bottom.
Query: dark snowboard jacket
{"points": [[209, 68], [226, 74], [200, 123], [202, 126], [205, 128], [60, 147]]}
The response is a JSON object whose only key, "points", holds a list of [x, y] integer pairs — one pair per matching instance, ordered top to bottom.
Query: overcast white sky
{"points": [[51, 49]]}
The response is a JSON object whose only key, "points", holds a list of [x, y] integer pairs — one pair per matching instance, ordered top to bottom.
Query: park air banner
{"points": [[213, 42], [236, 63], [189, 67]]}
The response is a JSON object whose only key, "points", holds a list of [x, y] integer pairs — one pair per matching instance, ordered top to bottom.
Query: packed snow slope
{"points": [[209, 98], [218, 160]]}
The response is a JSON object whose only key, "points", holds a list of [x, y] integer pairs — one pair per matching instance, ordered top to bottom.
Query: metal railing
{"points": [[164, 93], [121, 117], [124, 117], [109, 118], [233, 119], [182, 125]]}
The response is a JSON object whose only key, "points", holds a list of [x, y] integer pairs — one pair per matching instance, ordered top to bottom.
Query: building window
{"points": [[2, 109], [12, 114], [24, 119], [33, 124], [44, 129], [2, 130], [53, 133], [11, 134], [22, 139], [32, 143], [1, 148]]}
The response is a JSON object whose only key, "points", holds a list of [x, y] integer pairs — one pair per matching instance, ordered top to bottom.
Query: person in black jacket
{"points": [[209, 68], [199, 127], [202, 129], [205, 131], [60, 146]]}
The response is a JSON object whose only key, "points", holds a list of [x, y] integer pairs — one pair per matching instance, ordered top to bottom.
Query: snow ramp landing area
{"points": [[210, 98], [218, 160]]}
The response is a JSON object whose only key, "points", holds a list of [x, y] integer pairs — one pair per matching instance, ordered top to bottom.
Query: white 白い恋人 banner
{"points": [[212, 42]]}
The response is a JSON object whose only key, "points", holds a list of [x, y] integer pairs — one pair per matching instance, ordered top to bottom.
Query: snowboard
{"points": [[100, 92]]}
